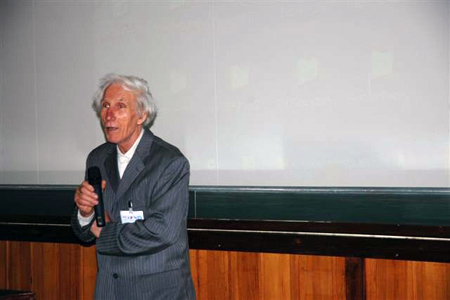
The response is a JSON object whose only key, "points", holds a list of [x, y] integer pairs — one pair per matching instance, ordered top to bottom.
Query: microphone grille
{"points": [[94, 175]]}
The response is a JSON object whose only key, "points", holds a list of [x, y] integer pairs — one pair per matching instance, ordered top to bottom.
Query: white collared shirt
{"points": [[124, 159], [122, 163]]}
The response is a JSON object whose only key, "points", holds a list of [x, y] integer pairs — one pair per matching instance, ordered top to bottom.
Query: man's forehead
{"points": [[118, 92]]}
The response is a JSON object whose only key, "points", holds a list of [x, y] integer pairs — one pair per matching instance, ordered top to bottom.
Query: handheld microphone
{"points": [[95, 179]]}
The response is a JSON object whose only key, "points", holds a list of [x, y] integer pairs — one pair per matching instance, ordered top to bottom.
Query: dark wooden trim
{"points": [[321, 189], [265, 226], [322, 227], [52, 229], [406, 242], [428, 243], [320, 244], [355, 278], [17, 295]]}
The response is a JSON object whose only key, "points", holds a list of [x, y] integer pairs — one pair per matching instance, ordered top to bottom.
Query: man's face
{"points": [[120, 121]]}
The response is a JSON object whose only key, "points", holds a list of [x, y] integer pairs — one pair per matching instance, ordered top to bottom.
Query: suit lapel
{"points": [[136, 164], [111, 168]]}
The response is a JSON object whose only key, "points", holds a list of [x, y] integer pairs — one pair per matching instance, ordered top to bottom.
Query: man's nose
{"points": [[110, 114]]}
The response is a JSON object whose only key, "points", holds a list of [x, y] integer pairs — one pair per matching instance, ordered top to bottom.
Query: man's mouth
{"points": [[111, 128]]}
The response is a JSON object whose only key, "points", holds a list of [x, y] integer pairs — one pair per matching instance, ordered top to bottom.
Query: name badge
{"points": [[130, 216]]}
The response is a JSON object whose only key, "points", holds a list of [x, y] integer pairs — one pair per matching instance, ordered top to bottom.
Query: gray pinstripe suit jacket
{"points": [[147, 259]]}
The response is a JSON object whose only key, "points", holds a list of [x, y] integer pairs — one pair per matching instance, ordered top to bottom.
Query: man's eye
{"points": [[104, 105], [122, 105]]}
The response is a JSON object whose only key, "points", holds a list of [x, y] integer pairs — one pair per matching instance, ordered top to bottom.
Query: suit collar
{"points": [[136, 164], [134, 167], [111, 168]]}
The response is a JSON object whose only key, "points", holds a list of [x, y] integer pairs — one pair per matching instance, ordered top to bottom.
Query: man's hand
{"points": [[85, 198], [97, 230]]}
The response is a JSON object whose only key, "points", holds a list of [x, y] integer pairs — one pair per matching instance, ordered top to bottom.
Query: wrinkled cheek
{"points": [[102, 123], [111, 135]]}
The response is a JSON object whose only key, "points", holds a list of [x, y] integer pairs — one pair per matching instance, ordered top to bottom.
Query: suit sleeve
{"points": [[165, 218], [83, 233]]}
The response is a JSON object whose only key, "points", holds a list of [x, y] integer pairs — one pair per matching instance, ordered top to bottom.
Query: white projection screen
{"points": [[254, 93]]}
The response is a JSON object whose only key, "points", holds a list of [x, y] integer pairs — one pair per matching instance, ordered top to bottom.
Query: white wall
{"points": [[279, 93]]}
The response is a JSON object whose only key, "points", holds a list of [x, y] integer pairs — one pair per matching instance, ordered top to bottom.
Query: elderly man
{"points": [[141, 254]]}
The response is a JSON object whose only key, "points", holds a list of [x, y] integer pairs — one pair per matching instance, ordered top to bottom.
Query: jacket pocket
{"points": [[157, 283]]}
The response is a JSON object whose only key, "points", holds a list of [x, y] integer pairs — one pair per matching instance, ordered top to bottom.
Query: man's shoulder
{"points": [[160, 145], [102, 151], [165, 153], [165, 156]]}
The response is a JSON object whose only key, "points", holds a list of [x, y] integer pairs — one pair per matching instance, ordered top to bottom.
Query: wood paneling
{"points": [[3, 264], [19, 265], [212, 267], [45, 270], [50, 270], [55, 270], [67, 271], [88, 272], [266, 276], [274, 277], [317, 277], [245, 279], [409, 280], [355, 281]]}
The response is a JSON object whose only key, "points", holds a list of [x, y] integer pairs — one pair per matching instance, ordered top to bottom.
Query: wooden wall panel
{"points": [[3, 264], [19, 265], [45, 270], [50, 270], [212, 270], [68, 271], [88, 272], [261, 276], [274, 276], [245, 277], [317, 277], [355, 280], [409, 280], [432, 280]]}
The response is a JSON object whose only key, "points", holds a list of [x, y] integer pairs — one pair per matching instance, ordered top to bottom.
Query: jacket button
{"points": [[115, 276]]}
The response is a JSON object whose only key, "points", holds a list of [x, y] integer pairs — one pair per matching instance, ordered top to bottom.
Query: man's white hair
{"points": [[144, 99]]}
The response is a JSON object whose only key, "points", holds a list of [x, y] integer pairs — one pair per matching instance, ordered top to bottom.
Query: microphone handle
{"points": [[99, 208]]}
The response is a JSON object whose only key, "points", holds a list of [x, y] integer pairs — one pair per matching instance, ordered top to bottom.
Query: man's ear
{"points": [[142, 119]]}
